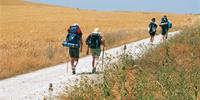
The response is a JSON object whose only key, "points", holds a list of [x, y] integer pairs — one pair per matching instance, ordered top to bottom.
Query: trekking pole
{"points": [[67, 59]]}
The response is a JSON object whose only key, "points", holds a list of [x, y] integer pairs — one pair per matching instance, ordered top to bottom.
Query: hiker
{"points": [[165, 25], [152, 29], [74, 42], [94, 42]]}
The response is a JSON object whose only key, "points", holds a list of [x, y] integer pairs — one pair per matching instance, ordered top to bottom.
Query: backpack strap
{"points": [[87, 39]]}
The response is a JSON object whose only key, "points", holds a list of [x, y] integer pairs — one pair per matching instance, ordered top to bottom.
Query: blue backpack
{"points": [[169, 24], [73, 29], [73, 38]]}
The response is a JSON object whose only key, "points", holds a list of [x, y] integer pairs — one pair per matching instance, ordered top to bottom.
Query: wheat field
{"points": [[31, 33]]}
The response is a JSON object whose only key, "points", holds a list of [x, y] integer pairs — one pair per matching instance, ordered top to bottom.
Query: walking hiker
{"points": [[165, 25], [152, 29], [74, 42], [94, 42]]}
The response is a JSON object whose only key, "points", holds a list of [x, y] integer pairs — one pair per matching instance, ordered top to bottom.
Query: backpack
{"points": [[163, 22], [169, 24], [152, 27], [73, 29], [73, 38], [94, 40]]}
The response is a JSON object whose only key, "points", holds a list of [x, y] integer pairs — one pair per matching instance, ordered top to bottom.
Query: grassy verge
{"points": [[169, 72]]}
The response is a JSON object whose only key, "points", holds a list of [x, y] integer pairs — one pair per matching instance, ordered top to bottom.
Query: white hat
{"points": [[75, 24], [96, 30]]}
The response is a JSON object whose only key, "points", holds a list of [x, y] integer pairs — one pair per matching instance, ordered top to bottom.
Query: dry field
{"points": [[31, 34]]}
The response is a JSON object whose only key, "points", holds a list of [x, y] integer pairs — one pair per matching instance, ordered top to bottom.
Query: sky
{"points": [[171, 6]]}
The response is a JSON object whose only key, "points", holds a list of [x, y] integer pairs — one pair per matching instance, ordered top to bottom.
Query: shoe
{"points": [[151, 43], [94, 70], [73, 71]]}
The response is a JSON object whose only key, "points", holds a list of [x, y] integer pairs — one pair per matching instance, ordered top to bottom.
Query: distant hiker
{"points": [[165, 24], [152, 29], [74, 42], [94, 42], [50, 91]]}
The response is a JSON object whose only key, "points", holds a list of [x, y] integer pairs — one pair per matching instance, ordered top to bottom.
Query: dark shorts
{"points": [[164, 31], [152, 33], [74, 52]]}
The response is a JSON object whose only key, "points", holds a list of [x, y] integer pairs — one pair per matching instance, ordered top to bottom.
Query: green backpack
{"points": [[94, 40]]}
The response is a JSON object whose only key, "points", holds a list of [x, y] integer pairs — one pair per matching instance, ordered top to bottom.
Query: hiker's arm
{"points": [[149, 25], [156, 25], [81, 39], [86, 42], [103, 42], [81, 44], [87, 52]]}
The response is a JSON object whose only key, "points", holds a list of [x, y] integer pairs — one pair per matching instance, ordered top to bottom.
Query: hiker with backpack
{"points": [[165, 24], [152, 29], [94, 42], [74, 43]]}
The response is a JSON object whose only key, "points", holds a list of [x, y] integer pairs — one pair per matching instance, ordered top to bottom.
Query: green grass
{"points": [[169, 72]]}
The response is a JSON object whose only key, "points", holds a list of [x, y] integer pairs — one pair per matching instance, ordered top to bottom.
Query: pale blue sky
{"points": [[173, 6]]}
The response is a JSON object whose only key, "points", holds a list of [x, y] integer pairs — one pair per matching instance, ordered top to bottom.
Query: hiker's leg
{"points": [[166, 34], [163, 37], [152, 38], [94, 53], [75, 55], [97, 55], [71, 57], [96, 60], [75, 61], [93, 61], [72, 63], [94, 64], [73, 67]]}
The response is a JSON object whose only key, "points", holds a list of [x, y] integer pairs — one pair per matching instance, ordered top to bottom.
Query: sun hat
{"points": [[75, 24], [96, 30]]}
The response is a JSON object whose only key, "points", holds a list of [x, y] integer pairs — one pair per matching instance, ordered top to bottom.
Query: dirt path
{"points": [[34, 85]]}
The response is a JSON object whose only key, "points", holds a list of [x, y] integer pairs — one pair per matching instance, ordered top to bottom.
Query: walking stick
{"points": [[67, 59]]}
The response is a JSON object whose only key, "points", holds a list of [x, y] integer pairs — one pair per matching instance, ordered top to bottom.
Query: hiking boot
{"points": [[150, 43], [94, 70], [73, 71]]}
